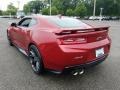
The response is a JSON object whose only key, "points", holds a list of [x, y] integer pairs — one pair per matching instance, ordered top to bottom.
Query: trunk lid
{"points": [[78, 36]]}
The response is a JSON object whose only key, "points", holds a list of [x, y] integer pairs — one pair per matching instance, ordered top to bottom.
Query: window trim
{"points": [[22, 22], [29, 23]]}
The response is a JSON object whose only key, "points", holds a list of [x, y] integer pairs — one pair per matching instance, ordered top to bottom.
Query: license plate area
{"points": [[99, 52]]}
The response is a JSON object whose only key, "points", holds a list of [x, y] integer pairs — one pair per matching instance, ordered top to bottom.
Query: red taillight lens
{"points": [[72, 41]]}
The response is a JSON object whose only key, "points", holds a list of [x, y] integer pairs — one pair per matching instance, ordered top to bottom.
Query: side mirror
{"points": [[14, 25]]}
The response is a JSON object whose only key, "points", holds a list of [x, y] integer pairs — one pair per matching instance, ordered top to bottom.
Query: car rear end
{"points": [[80, 47], [84, 49]]}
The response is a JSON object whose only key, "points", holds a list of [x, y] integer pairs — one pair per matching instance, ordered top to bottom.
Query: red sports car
{"points": [[59, 43]]}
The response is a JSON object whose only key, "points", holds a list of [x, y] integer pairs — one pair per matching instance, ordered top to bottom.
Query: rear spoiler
{"points": [[73, 31]]}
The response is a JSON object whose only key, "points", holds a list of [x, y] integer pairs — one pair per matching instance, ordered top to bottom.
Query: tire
{"points": [[9, 40], [35, 60]]}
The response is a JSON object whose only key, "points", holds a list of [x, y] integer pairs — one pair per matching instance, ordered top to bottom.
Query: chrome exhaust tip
{"points": [[78, 72], [81, 72], [75, 73]]}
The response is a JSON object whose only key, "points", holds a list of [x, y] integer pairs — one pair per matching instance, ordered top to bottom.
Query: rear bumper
{"points": [[65, 57], [87, 65], [82, 66]]}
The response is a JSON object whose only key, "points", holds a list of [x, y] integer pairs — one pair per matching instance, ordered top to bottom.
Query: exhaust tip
{"points": [[78, 72], [81, 72], [75, 73]]}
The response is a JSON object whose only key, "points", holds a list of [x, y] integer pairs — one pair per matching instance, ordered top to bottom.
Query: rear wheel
{"points": [[35, 59]]}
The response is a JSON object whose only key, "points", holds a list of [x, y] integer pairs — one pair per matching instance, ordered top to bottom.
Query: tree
{"points": [[63, 5], [89, 5], [33, 6], [80, 7], [111, 7], [26, 8], [11, 9], [80, 10], [45, 11], [54, 11], [1, 12], [69, 12], [5, 13]]}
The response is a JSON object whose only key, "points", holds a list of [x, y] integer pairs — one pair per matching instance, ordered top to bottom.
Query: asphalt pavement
{"points": [[16, 72]]}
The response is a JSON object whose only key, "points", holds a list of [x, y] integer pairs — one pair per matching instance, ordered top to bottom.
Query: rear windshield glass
{"points": [[65, 22]]}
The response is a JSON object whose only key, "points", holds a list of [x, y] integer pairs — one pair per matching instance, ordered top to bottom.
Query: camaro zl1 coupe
{"points": [[59, 43]]}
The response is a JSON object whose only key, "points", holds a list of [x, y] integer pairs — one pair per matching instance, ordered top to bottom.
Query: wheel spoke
{"points": [[32, 54], [34, 60], [37, 66]]}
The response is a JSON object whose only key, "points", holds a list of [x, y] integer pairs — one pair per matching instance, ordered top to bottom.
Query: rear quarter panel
{"points": [[46, 42]]}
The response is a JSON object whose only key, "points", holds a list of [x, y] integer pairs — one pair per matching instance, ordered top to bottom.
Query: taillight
{"points": [[72, 41]]}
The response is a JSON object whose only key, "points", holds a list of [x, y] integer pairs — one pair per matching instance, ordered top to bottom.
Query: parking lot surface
{"points": [[16, 72]]}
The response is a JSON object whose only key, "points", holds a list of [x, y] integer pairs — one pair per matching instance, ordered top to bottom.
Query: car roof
{"points": [[46, 17]]}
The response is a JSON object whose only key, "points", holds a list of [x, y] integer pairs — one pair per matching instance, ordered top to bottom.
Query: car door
{"points": [[24, 28], [21, 32]]}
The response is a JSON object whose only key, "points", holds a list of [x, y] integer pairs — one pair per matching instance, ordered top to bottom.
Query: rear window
{"points": [[65, 22]]}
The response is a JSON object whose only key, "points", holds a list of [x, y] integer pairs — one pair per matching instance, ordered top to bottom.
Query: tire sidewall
{"points": [[36, 51]]}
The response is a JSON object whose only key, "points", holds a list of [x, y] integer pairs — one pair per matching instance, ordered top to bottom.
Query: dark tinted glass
{"points": [[25, 22]]}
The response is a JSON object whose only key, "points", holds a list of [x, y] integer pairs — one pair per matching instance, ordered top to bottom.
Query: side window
{"points": [[25, 22], [33, 22]]}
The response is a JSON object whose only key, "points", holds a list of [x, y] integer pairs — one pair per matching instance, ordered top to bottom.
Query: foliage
{"points": [[63, 5], [33, 6], [79, 7], [111, 7], [26, 8], [11, 10], [80, 10], [45, 11], [54, 11], [1, 12], [69, 12], [5, 13]]}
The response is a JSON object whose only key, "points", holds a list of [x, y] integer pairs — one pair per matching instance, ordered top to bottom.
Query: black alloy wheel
{"points": [[35, 60]]}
